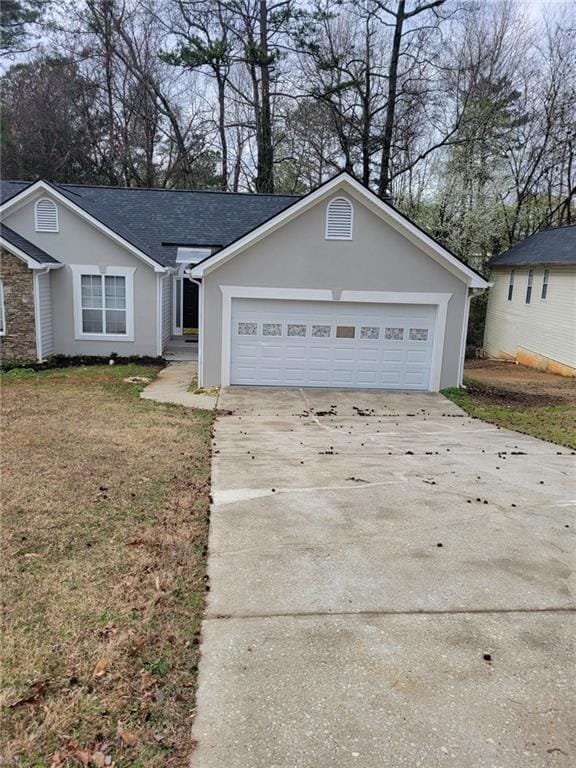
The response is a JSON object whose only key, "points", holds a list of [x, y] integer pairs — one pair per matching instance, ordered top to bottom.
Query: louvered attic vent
{"points": [[339, 214], [46, 216]]}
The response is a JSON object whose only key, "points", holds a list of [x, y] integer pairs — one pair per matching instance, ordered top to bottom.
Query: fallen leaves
{"points": [[108, 632], [101, 667], [32, 698], [129, 738], [71, 750]]}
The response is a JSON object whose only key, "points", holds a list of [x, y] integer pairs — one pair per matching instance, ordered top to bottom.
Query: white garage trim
{"points": [[440, 300]]}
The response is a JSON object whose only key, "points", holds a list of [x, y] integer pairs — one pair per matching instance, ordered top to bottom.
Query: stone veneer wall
{"points": [[19, 341]]}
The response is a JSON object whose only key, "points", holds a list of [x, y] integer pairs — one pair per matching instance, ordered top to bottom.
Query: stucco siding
{"points": [[78, 242], [378, 258], [43, 300], [546, 327]]}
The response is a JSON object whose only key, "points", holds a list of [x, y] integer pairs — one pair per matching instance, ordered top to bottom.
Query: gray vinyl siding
{"points": [[78, 242], [378, 258], [166, 299], [44, 329]]}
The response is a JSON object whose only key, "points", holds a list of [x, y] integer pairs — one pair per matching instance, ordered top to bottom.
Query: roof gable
{"points": [[348, 185], [89, 213], [157, 221]]}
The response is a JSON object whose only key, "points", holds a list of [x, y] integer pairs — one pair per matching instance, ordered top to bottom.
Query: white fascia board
{"points": [[345, 181], [20, 199], [30, 262]]}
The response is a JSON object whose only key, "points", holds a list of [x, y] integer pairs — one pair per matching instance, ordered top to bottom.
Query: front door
{"points": [[190, 304]]}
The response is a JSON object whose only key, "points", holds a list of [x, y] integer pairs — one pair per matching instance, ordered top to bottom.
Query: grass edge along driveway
{"points": [[554, 422], [105, 525]]}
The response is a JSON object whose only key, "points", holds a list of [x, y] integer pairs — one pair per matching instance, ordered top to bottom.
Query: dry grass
{"points": [[105, 520]]}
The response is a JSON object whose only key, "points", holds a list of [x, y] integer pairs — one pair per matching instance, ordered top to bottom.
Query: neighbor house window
{"points": [[46, 216], [339, 216], [545, 280], [511, 285], [529, 286], [104, 302], [2, 315]]}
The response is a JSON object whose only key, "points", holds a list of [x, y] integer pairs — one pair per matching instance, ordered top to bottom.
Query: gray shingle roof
{"points": [[158, 220], [25, 245], [550, 246]]}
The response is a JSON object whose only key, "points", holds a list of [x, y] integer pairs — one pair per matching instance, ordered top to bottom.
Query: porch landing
{"points": [[182, 348]]}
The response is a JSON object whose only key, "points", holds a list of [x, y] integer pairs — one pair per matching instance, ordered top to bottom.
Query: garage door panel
{"points": [[324, 344], [270, 352], [369, 355], [393, 355], [418, 356], [343, 378], [392, 379], [415, 379]]}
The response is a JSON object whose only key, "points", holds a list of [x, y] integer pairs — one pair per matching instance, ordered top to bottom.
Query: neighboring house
{"points": [[335, 289], [531, 315]]}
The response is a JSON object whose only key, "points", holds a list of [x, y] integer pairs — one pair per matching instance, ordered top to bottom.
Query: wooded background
{"points": [[463, 112]]}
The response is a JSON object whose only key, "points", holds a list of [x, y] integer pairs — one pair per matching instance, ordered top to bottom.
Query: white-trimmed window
{"points": [[46, 215], [339, 219], [545, 281], [511, 285], [529, 286], [103, 302], [2, 313]]}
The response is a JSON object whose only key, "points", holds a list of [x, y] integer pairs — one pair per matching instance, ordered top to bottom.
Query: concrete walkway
{"points": [[171, 386], [391, 585]]}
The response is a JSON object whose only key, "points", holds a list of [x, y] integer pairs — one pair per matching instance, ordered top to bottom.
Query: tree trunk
{"points": [[222, 128], [265, 171], [383, 187]]}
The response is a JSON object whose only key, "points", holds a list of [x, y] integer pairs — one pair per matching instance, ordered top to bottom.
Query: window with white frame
{"points": [[46, 215], [339, 219], [545, 281], [511, 285], [529, 286], [104, 302], [2, 314]]}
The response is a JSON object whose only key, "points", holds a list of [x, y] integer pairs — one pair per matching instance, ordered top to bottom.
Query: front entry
{"points": [[190, 304], [186, 311]]}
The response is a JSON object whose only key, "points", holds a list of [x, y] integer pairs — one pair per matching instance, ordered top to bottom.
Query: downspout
{"points": [[472, 292]]}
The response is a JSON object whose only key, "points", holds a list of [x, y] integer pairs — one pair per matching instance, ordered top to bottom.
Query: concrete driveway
{"points": [[390, 586]]}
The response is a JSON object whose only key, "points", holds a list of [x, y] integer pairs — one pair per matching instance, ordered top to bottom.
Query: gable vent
{"points": [[339, 214], [46, 216]]}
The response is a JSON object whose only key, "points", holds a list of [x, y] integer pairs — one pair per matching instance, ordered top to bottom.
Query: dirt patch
{"points": [[515, 383], [499, 396], [105, 524]]}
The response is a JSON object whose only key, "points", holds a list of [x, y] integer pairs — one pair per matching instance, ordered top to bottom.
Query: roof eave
{"points": [[20, 198], [31, 262]]}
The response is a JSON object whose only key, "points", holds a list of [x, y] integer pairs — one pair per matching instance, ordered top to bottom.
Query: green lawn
{"points": [[555, 423], [105, 521]]}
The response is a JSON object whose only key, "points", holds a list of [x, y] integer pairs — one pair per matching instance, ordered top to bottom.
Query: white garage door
{"points": [[331, 344]]}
